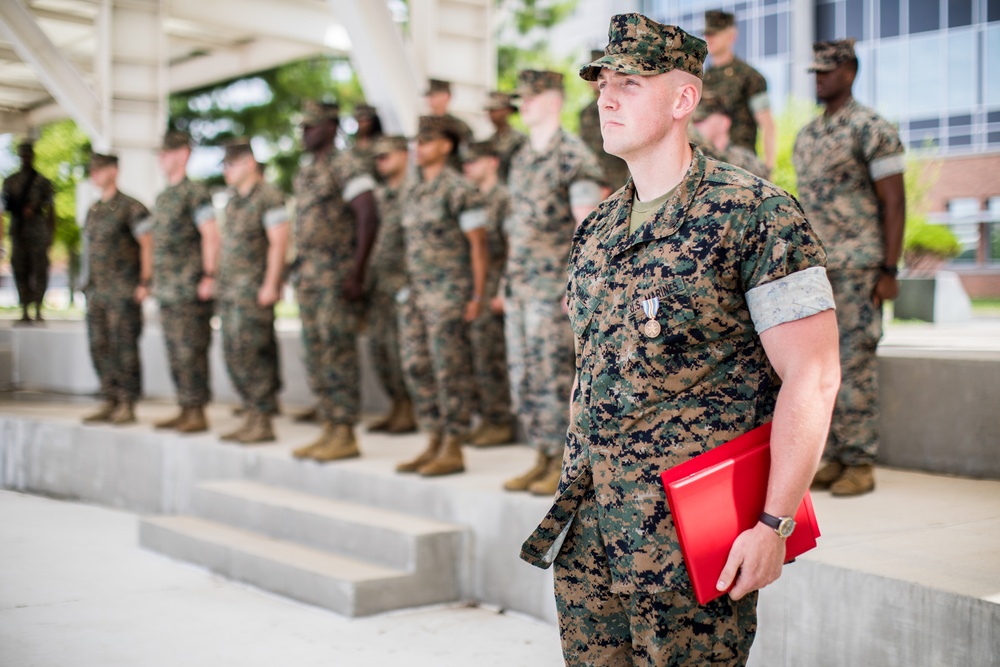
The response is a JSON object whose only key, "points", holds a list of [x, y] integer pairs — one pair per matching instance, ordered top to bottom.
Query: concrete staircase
{"points": [[352, 559]]}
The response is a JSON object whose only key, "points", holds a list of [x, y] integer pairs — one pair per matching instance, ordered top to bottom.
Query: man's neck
{"points": [[723, 58], [836, 104], [501, 128], [542, 133], [660, 169], [432, 171], [176, 177], [396, 180], [488, 183], [247, 186], [108, 193]]}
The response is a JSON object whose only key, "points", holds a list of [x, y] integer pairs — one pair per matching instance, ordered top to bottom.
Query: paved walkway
{"points": [[75, 590]]}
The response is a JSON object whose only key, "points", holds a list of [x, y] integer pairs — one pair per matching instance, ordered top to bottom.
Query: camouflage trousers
{"points": [[29, 261], [113, 328], [187, 331], [330, 341], [383, 341], [250, 349], [437, 362], [541, 362], [489, 365], [853, 436], [601, 628]]}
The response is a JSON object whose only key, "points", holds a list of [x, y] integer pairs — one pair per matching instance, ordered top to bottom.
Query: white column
{"points": [[803, 35]]}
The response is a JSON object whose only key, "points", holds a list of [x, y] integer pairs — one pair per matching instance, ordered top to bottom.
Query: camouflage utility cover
{"points": [[717, 20], [639, 45], [828, 55], [533, 82], [178, 213], [111, 231], [243, 261]]}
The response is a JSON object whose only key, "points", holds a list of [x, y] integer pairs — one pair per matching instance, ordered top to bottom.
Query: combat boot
{"points": [[103, 413], [123, 414], [310, 416], [403, 419], [173, 421], [193, 421], [381, 424], [259, 430], [491, 435], [234, 436], [339, 445], [306, 451], [425, 457], [448, 460], [827, 474], [855, 481], [522, 482], [547, 484]]}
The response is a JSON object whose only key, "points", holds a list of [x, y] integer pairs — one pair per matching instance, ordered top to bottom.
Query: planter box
{"points": [[940, 298]]}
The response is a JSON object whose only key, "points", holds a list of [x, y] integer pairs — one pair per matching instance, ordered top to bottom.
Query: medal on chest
{"points": [[651, 328]]}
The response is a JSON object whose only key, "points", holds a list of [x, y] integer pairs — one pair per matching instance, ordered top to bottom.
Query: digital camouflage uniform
{"points": [[744, 90], [507, 144], [837, 160], [614, 168], [179, 212], [539, 233], [31, 235], [326, 239], [725, 257], [114, 319], [486, 333], [248, 341], [437, 358]]}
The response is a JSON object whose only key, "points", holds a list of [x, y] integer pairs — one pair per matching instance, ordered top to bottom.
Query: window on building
{"points": [[993, 10], [888, 12], [959, 13], [925, 15], [855, 19], [826, 22], [771, 35], [743, 43], [962, 71], [925, 74], [889, 91], [992, 91]]}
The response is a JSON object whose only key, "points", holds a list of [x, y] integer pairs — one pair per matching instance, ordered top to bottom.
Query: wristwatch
{"points": [[890, 270], [783, 525]]}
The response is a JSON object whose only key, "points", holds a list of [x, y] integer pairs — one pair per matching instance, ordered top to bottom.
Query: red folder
{"points": [[719, 494]]}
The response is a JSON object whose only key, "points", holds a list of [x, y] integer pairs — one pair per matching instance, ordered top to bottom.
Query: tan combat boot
{"points": [[103, 413], [123, 414], [310, 416], [403, 420], [173, 421], [193, 421], [382, 423], [258, 431], [491, 435], [234, 436], [340, 444], [306, 451], [425, 457], [448, 460], [827, 474], [855, 481], [522, 482], [548, 483]]}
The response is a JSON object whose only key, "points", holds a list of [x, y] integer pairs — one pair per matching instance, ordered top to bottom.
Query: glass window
{"points": [[993, 10], [888, 11], [959, 13], [925, 15], [855, 19], [826, 22], [771, 35], [743, 43], [993, 66], [962, 70], [925, 74], [890, 95], [993, 117], [956, 121], [925, 124], [961, 140]]}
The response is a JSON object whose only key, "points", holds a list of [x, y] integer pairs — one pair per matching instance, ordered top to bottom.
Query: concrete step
{"points": [[392, 539], [348, 586]]}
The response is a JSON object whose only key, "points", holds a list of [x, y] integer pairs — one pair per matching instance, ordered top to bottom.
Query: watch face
{"points": [[786, 527]]}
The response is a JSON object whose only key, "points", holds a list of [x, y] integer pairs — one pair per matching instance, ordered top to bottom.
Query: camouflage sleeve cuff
{"points": [[759, 102], [890, 165], [358, 186], [584, 193], [203, 214], [275, 217], [474, 218], [143, 227], [793, 297]]}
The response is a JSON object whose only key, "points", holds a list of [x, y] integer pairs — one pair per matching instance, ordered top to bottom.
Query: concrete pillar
{"points": [[803, 36]]}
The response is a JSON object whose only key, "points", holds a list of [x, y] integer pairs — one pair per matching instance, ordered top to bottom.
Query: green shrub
{"points": [[922, 237]]}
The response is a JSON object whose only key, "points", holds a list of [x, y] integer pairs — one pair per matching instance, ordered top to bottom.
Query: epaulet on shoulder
{"points": [[723, 173]]}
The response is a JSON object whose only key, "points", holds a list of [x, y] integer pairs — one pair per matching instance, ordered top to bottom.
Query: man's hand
{"points": [[206, 288], [353, 289], [886, 289], [141, 293], [267, 295], [497, 305], [472, 310], [754, 561]]}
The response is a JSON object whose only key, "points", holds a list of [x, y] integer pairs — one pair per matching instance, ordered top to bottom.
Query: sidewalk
{"points": [[75, 590]]}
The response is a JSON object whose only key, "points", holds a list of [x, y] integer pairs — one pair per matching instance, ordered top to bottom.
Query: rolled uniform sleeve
{"points": [[882, 149], [357, 185], [584, 192], [274, 217], [142, 226]]}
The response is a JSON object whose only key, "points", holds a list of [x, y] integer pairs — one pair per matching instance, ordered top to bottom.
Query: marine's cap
{"points": [[717, 20], [639, 45], [828, 55], [533, 82], [438, 86], [496, 101], [710, 104], [364, 111], [315, 112], [437, 127], [175, 139], [389, 144], [237, 148], [478, 149], [101, 160]]}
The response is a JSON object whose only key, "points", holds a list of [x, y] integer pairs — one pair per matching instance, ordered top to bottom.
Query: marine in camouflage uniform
{"points": [[438, 96], [713, 118], [369, 130], [506, 140], [849, 163], [614, 168], [550, 188], [29, 198], [255, 219], [335, 226], [116, 228], [185, 251], [446, 256], [668, 321], [486, 332]]}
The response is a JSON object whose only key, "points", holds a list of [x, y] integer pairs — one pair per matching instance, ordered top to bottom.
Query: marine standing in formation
{"points": [[438, 97], [710, 130], [507, 141], [850, 167], [614, 168], [554, 184], [29, 198], [335, 226], [117, 231], [185, 239], [253, 257], [695, 320]]}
